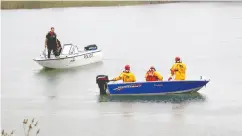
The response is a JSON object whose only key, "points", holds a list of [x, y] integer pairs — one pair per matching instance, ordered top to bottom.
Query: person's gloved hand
{"points": [[169, 78], [113, 79]]}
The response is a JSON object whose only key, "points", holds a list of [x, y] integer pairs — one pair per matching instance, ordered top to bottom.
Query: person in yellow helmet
{"points": [[178, 70], [126, 75], [153, 75]]}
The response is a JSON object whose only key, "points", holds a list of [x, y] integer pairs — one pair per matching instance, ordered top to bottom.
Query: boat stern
{"points": [[102, 81]]}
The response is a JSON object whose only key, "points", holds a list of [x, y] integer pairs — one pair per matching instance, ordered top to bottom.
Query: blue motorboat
{"points": [[148, 88]]}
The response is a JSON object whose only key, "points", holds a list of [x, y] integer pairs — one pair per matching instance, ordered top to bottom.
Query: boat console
{"points": [[90, 47], [102, 81]]}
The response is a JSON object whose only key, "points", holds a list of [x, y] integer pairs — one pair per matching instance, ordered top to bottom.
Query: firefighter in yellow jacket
{"points": [[178, 70], [126, 75], [153, 75]]}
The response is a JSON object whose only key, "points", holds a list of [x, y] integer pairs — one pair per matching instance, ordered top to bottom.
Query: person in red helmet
{"points": [[178, 70], [126, 75], [153, 75]]}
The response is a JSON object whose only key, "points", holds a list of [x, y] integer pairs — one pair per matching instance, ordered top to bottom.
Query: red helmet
{"points": [[177, 59], [127, 67], [152, 68]]}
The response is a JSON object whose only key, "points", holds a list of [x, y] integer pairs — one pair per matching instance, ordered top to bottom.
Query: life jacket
{"points": [[51, 38], [179, 70], [127, 76], [151, 76]]}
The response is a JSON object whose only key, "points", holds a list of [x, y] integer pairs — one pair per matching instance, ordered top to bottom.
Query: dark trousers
{"points": [[52, 48], [59, 50]]}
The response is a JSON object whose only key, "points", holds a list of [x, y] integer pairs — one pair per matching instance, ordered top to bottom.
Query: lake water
{"points": [[207, 36]]}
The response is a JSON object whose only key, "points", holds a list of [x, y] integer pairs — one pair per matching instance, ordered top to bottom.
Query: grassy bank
{"points": [[60, 4]]}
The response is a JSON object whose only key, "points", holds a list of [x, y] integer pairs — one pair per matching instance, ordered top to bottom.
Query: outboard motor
{"points": [[90, 47], [102, 81]]}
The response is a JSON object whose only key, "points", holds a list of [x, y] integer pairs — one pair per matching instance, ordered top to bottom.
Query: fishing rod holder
{"points": [[102, 81]]}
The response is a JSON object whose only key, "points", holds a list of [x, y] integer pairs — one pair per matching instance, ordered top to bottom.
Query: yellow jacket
{"points": [[179, 70], [153, 76], [126, 77]]}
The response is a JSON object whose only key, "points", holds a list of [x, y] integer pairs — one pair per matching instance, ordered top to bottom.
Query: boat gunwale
{"points": [[67, 57]]}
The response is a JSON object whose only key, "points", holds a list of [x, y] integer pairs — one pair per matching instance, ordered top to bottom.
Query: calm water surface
{"points": [[207, 36]]}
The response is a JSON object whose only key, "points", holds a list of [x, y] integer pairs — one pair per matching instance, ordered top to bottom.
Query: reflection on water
{"points": [[48, 71], [57, 81], [171, 98]]}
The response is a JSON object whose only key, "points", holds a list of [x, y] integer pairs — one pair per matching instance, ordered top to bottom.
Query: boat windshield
{"points": [[66, 49], [74, 50]]}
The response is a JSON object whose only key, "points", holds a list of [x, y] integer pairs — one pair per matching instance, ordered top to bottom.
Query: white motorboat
{"points": [[70, 57]]}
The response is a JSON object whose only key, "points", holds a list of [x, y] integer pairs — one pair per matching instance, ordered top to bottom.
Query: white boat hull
{"points": [[70, 61]]}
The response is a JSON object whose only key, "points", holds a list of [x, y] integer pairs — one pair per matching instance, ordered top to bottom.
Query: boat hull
{"points": [[71, 61], [155, 88], [170, 98]]}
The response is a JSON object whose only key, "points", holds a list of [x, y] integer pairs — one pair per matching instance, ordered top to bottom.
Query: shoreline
{"points": [[12, 5]]}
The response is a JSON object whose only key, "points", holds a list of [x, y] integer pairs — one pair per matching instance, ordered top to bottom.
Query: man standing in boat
{"points": [[51, 42], [178, 70], [126, 75], [153, 75]]}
